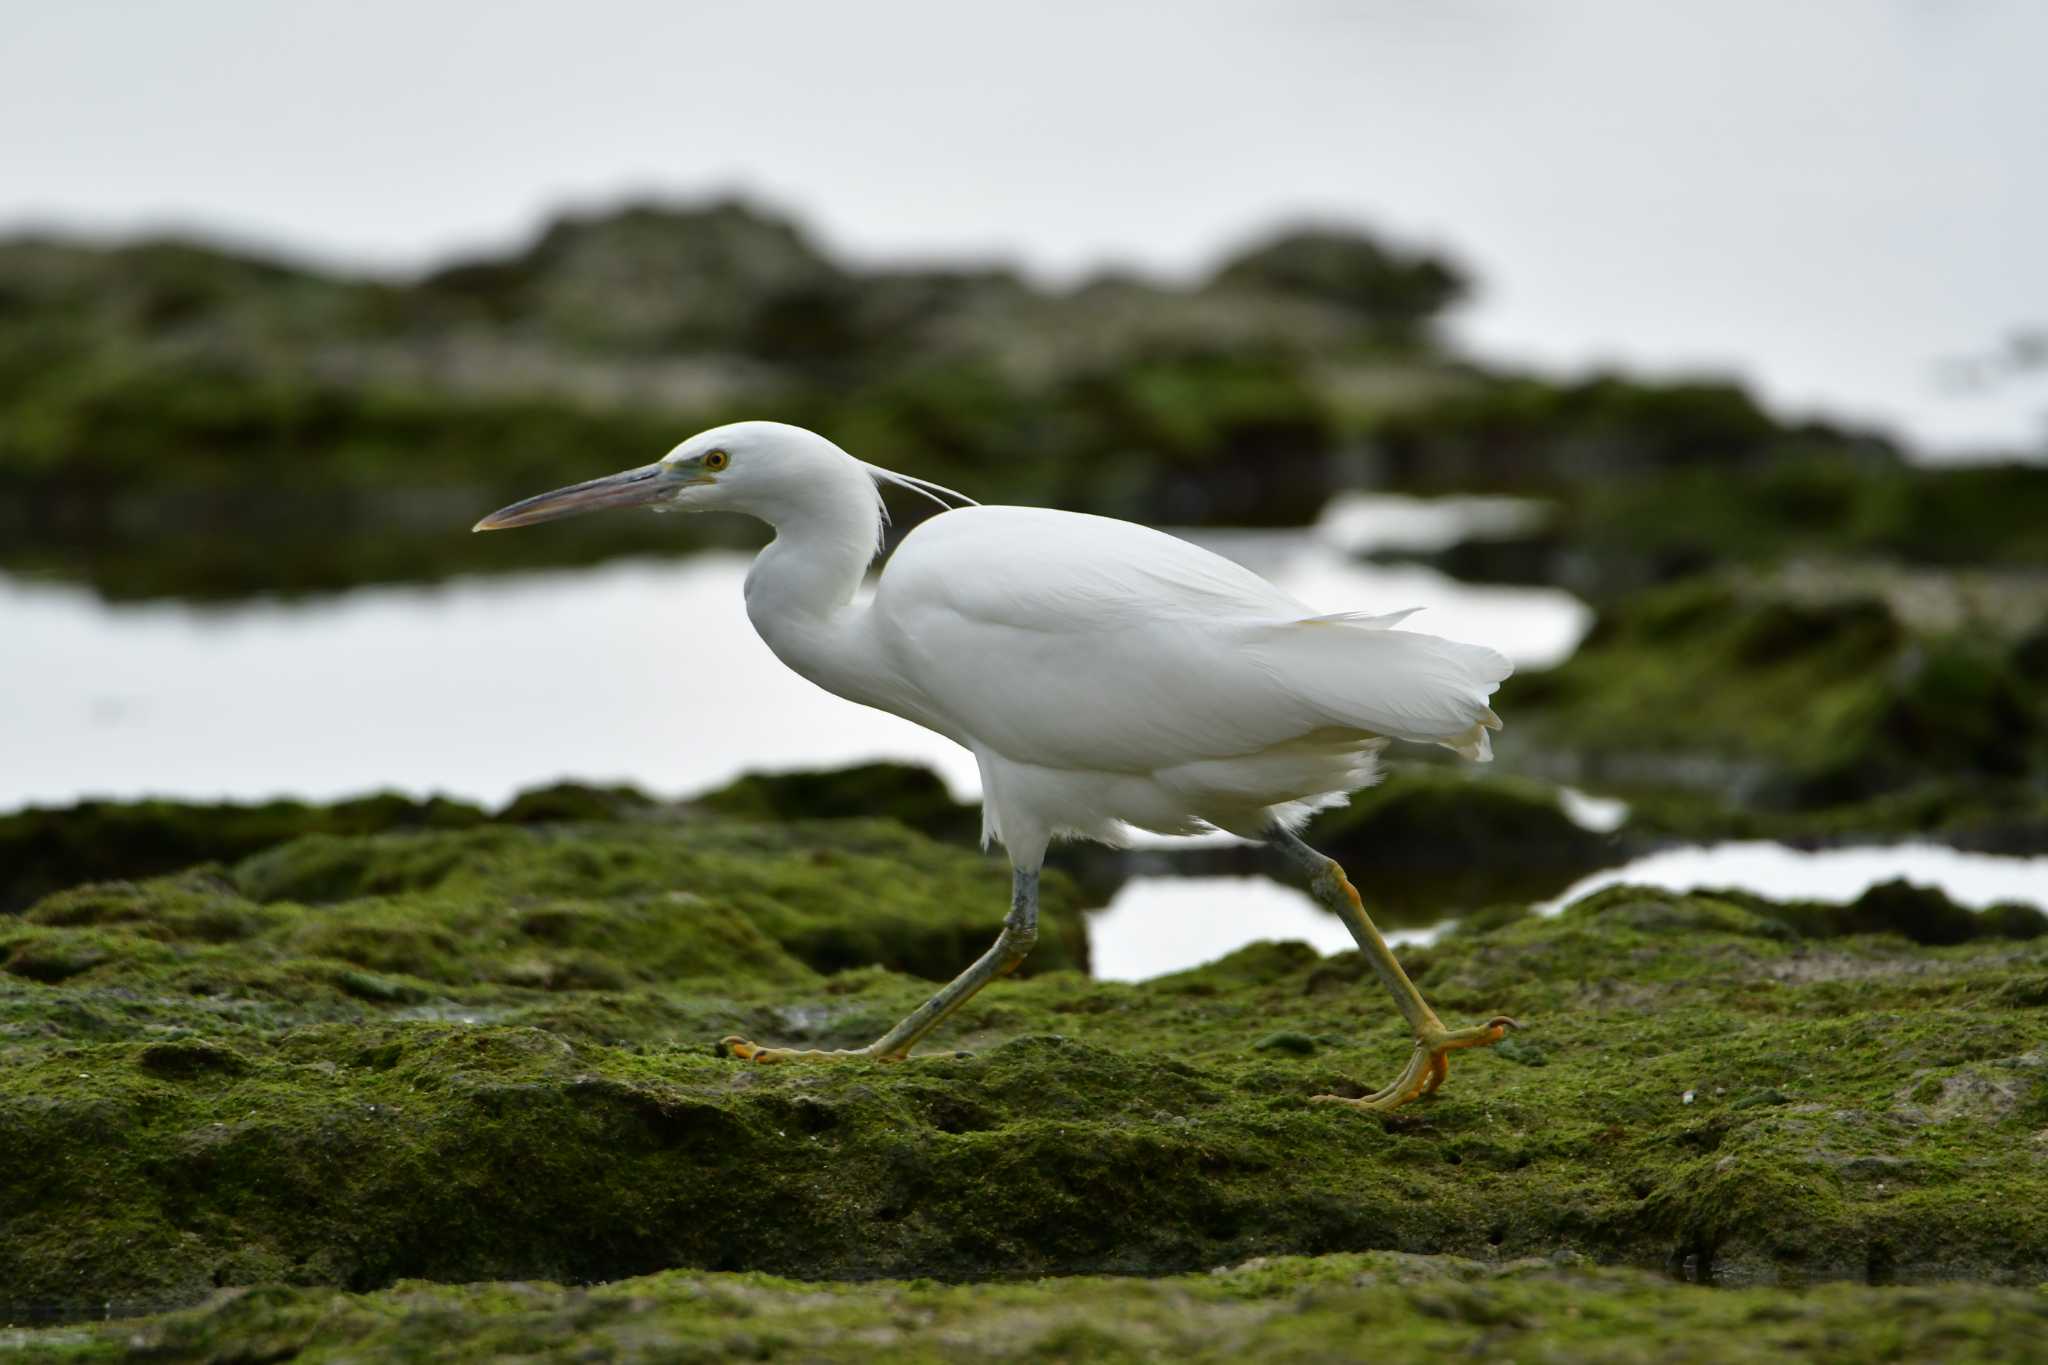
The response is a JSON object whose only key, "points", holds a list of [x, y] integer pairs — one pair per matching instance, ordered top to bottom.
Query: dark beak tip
{"points": [[628, 488]]}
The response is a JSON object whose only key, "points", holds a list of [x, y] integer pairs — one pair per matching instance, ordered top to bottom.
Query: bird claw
{"points": [[734, 1046], [1428, 1065]]}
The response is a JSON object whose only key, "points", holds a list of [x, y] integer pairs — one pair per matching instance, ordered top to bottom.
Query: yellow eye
{"points": [[717, 460]]}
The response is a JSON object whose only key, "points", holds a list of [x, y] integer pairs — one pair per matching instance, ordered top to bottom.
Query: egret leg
{"points": [[1020, 931], [1429, 1063]]}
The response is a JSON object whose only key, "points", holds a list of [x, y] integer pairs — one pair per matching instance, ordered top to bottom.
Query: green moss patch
{"points": [[1785, 700], [911, 795], [46, 850], [485, 1054], [1381, 1306]]}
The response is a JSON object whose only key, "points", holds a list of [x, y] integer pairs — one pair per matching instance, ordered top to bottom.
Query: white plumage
{"points": [[1104, 675]]}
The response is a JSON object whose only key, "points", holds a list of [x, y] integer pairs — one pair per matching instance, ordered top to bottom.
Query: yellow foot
{"points": [[733, 1045], [1427, 1065]]}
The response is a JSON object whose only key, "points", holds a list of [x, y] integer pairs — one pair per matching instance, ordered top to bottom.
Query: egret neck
{"points": [[800, 588]]}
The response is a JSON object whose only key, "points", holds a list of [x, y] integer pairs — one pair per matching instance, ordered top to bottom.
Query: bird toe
{"points": [[732, 1045]]}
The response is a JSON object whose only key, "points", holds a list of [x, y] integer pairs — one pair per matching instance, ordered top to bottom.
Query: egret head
{"points": [[765, 469]]}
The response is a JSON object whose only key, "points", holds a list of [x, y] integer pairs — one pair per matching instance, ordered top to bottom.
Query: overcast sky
{"points": [[1829, 197]]}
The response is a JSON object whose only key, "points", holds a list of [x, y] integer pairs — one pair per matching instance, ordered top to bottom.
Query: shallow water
{"points": [[640, 672], [1829, 874], [1157, 925]]}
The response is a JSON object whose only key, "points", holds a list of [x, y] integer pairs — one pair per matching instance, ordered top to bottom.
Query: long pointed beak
{"points": [[650, 483]]}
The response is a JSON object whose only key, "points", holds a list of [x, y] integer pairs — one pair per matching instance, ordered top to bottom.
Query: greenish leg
{"points": [[1020, 931], [1429, 1063]]}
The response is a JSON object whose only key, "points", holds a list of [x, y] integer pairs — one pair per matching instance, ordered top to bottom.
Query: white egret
{"points": [[1104, 675]]}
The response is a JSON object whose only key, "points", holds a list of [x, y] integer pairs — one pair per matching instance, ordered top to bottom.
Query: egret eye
{"points": [[717, 460]]}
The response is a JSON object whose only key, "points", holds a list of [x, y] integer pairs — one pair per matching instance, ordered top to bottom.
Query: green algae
{"points": [[148, 390], [181, 419], [1606, 538], [1786, 700], [913, 796], [1986, 815], [1438, 838], [46, 850], [835, 894], [557, 907], [485, 1054], [1379, 1306]]}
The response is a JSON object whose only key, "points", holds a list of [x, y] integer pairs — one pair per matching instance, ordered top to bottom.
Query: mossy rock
{"points": [[1395, 290], [147, 388], [1523, 432], [1610, 537], [1745, 689], [911, 795], [566, 802], [1985, 815], [48, 849], [561, 907], [1918, 914], [1925, 914], [499, 1066], [1379, 1305]]}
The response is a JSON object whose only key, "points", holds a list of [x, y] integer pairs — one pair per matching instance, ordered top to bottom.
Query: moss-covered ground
{"points": [[1607, 537], [1792, 696], [1440, 838], [485, 1054], [1381, 1306]]}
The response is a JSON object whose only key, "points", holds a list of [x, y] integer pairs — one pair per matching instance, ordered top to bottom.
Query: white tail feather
{"points": [[1386, 620], [1357, 673]]}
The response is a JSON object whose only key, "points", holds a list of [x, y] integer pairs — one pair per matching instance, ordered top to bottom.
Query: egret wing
{"points": [[1073, 641]]}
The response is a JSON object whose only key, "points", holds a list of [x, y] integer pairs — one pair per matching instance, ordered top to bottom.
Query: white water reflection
{"points": [[1364, 522], [638, 672], [641, 672], [1601, 814], [1829, 874], [1157, 925]]}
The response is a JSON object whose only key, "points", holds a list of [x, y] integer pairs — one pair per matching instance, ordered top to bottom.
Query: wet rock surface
{"points": [[1897, 526], [1830, 708], [1440, 839]]}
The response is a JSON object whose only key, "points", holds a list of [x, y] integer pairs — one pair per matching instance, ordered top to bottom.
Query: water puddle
{"points": [[1365, 523], [643, 672], [1975, 880], [1155, 925]]}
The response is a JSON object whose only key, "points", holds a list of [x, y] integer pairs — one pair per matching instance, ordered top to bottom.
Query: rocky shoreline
{"points": [[485, 1054]]}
